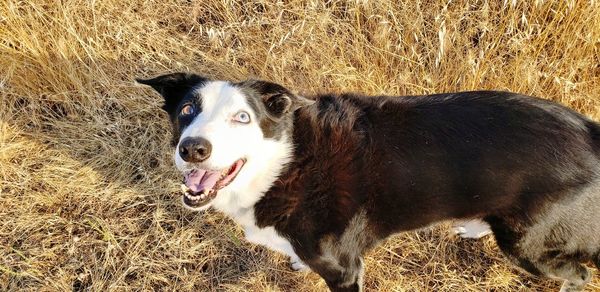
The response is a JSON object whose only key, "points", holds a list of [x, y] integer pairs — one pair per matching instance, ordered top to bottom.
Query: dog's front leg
{"points": [[270, 238], [339, 258], [343, 273]]}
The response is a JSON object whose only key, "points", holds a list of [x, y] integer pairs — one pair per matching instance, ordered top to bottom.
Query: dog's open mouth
{"points": [[201, 185]]}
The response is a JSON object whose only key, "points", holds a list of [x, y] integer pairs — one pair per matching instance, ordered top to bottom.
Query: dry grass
{"points": [[87, 194]]}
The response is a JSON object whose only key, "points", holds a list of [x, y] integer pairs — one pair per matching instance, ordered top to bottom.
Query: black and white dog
{"points": [[322, 179]]}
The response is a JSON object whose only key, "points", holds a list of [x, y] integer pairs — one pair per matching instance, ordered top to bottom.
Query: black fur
{"points": [[174, 88], [273, 103], [594, 135], [428, 158], [413, 161], [366, 167]]}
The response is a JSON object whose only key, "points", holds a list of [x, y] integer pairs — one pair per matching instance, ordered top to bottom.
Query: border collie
{"points": [[326, 177]]}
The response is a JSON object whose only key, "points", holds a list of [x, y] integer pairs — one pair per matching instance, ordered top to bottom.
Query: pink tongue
{"points": [[200, 180]]}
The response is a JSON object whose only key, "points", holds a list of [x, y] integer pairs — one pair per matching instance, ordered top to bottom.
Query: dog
{"points": [[324, 178]]}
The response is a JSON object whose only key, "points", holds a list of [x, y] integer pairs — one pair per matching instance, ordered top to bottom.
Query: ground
{"points": [[88, 191]]}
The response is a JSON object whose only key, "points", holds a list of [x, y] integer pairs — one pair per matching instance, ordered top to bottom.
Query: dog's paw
{"points": [[471, 229], [298, 266]]}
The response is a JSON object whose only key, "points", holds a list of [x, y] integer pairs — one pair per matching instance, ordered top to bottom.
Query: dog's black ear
{"points": [[173, 87], [278, 100]]}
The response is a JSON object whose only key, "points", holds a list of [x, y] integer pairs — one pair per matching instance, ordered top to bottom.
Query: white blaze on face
{"points": [[215, 123], [232, 140]]}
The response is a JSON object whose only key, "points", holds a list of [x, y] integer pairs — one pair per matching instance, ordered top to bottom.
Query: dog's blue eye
{"points": [[187, 110], [242, 117]]}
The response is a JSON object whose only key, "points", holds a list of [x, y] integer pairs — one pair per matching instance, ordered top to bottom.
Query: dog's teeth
{"points": [[203, 196]]}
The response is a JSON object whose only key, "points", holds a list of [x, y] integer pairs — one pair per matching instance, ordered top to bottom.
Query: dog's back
{"points": [[469, 154]]}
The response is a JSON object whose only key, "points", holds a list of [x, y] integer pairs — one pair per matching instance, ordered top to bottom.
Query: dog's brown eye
{"points": [[187, 110]]}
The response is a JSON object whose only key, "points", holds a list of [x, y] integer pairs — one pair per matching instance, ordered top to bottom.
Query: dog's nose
{"points": [[194, 149]]}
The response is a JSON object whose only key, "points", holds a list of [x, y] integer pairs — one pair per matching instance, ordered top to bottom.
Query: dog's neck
{"points": [[328, 142]]}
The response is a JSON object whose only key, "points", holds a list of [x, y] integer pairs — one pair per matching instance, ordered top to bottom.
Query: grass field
{"points": [[89, 196]]}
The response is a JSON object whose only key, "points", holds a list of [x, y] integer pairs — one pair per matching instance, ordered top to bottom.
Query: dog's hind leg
{"points": [[521, 246], [569, 269], [575, 275]]}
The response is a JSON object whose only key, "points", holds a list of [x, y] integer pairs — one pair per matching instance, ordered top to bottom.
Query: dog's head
{"points": [[231, 139]]}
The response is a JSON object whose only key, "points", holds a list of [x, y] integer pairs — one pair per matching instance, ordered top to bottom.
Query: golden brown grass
{"points": [[88, 194]]}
